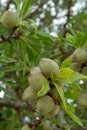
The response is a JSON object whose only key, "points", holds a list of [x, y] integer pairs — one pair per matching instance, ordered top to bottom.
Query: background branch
{"points": [[65, 30], [16, 104]]}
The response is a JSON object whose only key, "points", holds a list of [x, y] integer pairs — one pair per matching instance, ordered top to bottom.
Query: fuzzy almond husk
{"points": [[9, 19], [80, 55], [75, 66], [48, 67], [35, 69], [84, 70], [36, 80], [29, 95], [82, 100], [45, 104], [55, 110], [48, 125], [26, 127]]}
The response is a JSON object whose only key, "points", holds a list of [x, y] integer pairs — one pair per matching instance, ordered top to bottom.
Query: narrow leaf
{"points": [[25, 7], [66, 63], [10, 68], [65, 73], [76, 76], [45, 88], [61, 93], [72, 94], [73, 116]]}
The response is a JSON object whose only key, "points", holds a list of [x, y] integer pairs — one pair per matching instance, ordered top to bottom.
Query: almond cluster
{"points": [[79, 59], [46, 104]]}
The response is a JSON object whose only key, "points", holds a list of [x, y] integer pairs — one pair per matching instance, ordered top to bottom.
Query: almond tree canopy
{"points": [[43, 65]]}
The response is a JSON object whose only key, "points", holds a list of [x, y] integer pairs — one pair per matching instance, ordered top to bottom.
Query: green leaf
{"points": [[18, 4], [25, 7], [46, 38], [70, 39], [78, 39], [7, 59], [66, 63], [10, 68], [65, 73], [76, 76], [75, 86], [45, 88], [61, 93], [72, 94], [66, 106], [70, 106], [72, 115]]}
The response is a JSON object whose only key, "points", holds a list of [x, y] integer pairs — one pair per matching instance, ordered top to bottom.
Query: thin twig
{"points": [[16, 104]]}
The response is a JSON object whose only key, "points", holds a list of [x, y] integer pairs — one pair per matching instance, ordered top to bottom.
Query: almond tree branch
{"points": [[8, 4], [65, 30], [10, 36], [7, 38], [16, 104]]}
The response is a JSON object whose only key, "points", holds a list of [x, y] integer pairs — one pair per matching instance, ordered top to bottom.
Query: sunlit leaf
{"points": [[25, 7], [66, 63], [10, 68], [65, 73], [75, 77], [45, 88], [72, 94]]}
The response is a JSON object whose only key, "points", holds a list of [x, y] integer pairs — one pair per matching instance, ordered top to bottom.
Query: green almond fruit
{"points": [[9, 19], [80, 55], [75, 66], [48, 67], [35, 69], [84, 70], [36, 80], [54, 93], [29, 95], [82, 100], [45, 104], [55, 111], [47, 125], [26, 127]]}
